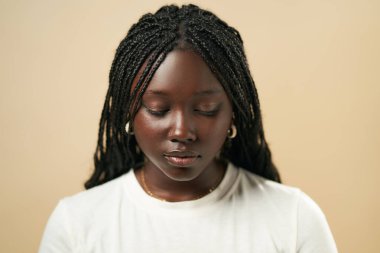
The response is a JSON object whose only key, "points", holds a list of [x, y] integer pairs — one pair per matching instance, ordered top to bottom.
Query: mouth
{"points": [[182, 158]]}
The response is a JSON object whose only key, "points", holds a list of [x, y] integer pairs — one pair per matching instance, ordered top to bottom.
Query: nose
{"points": [[182, 128]]}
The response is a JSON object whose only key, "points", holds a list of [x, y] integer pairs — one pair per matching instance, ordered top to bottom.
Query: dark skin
{"points": [[181, 126]]}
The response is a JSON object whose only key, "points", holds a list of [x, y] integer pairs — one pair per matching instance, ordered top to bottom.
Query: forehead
{"points": [[183, 71]]}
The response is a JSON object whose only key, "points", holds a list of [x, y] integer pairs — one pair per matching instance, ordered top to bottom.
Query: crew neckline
{"points": [[140, 198]]}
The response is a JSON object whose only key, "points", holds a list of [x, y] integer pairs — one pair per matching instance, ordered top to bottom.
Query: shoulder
{"points": [[260, 186], [277, 197], [95, 200], [290, 207], [85, 211], [287, 212]]}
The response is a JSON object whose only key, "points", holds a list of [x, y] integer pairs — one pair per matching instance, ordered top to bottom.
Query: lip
{"points": [[182, 158]]}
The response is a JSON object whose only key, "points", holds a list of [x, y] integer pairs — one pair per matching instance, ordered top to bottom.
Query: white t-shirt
{"points": [[245, 213]]}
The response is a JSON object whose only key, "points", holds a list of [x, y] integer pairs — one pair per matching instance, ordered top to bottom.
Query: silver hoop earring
{"points": [[128, 130], [232, 132]]}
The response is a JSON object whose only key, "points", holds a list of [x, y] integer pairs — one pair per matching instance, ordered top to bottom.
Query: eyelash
{"points": [[156, 113], [162, 113], [207, 113]]}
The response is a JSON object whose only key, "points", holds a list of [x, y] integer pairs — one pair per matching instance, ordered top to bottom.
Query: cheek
{"points": [[146, 130], [219, 131], [214, 132]]}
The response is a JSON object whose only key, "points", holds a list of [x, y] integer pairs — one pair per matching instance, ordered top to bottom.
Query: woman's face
{"points": [[184, 117]]}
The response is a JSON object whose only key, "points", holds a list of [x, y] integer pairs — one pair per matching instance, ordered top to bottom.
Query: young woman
{"points": [[182, 164]]}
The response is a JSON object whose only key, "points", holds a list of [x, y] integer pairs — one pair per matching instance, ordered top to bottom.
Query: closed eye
{"points": [[208, 109], [155, 112], [207, 113]]}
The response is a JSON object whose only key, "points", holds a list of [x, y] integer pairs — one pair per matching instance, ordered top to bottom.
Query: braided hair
{"points": [[144, 49]]}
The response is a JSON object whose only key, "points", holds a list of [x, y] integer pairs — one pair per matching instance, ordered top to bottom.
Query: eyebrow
{"points": [[208, 92], [198, 93]]}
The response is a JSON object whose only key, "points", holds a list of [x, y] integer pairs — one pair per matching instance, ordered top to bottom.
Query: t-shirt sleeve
{"points": [[313, 232], [57, 234]]}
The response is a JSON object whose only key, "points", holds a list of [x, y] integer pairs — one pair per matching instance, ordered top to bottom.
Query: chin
{"points": [[181, 174]]}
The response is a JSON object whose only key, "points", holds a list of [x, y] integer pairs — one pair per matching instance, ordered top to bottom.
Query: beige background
{"points": [[316, 65]]}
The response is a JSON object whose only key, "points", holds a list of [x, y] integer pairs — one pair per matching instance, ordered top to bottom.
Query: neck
{"points": [[160, 186]]}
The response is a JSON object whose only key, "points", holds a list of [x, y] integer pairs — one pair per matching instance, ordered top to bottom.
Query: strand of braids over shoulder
{"points": [[142, 51]]}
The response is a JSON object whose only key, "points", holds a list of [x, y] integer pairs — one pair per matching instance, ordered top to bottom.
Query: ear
{"points": [[232, 119]]}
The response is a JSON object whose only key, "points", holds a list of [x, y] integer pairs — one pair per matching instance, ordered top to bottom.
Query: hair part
{"points": [[145, 48]]}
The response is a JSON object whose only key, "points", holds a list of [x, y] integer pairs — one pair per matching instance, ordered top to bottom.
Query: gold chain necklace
{"points": [[146, 188]]}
